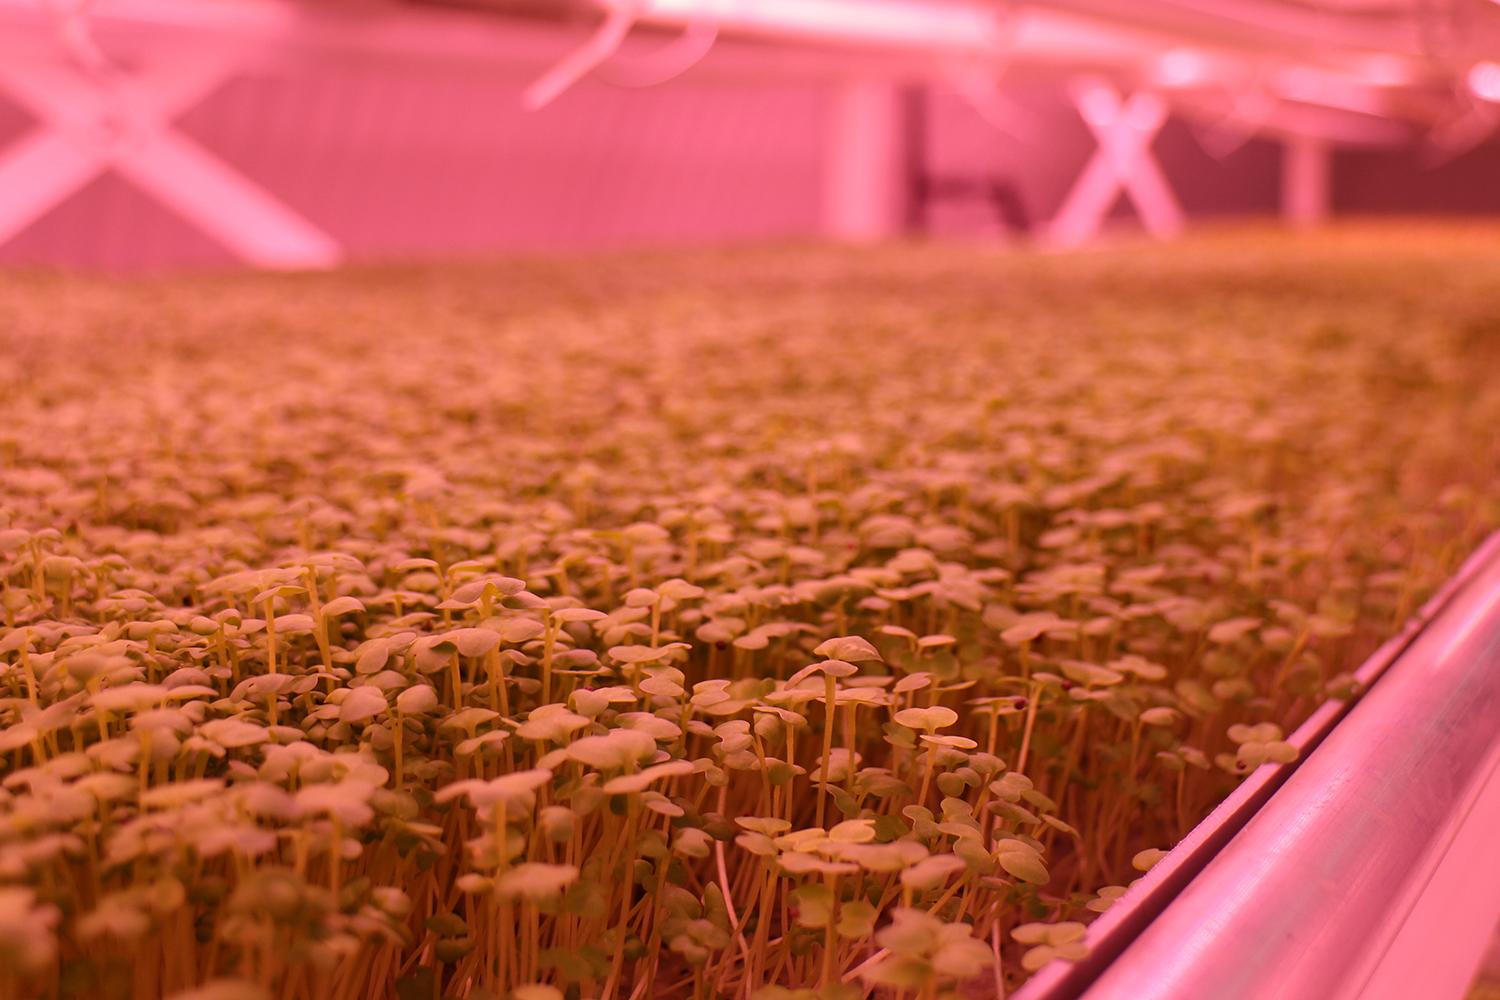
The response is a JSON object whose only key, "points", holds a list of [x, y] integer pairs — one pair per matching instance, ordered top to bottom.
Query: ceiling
{"points": [[1352, 71]]}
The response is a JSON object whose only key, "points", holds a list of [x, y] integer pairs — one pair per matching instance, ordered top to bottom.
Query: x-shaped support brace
{"points": [[86, 129], [1123, 129]]}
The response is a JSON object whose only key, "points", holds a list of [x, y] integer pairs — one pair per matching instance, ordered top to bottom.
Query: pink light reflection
{"points": [[1181, 68], [1484, 81]]}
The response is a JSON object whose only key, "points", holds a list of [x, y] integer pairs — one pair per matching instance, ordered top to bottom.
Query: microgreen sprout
{"points": [[805, 630]]}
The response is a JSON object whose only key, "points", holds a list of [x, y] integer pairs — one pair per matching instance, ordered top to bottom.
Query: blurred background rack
{"points": [[149, 134]]}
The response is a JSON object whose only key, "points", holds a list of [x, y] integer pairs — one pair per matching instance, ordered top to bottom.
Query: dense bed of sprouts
{"points": [[757, 625]]}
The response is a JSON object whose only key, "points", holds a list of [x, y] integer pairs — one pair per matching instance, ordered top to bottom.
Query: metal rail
{"points": [[1368, 869]]}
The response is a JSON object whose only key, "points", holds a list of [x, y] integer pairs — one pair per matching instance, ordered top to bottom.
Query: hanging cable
{"points": [[667, 63], [577, 64]]}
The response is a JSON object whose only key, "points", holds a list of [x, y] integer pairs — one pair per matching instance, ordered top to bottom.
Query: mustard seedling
{"points": [[762, 637]]}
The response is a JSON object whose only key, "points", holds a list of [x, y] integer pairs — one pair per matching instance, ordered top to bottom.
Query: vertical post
{"points": [[864, 176], [1306, 176], [915, 184]]}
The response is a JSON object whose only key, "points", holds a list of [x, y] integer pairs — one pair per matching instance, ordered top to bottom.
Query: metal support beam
{"points": [[1123, 163]]}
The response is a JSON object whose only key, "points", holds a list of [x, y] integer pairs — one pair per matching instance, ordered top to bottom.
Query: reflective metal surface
{"points": [[1312, 895]]}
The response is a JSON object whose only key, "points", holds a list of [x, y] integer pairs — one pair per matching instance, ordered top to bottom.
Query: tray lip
{"points": [[1127, 919]]}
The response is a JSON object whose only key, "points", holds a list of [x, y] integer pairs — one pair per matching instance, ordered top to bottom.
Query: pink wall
{"points": [[414, 164], [421, 164]]}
